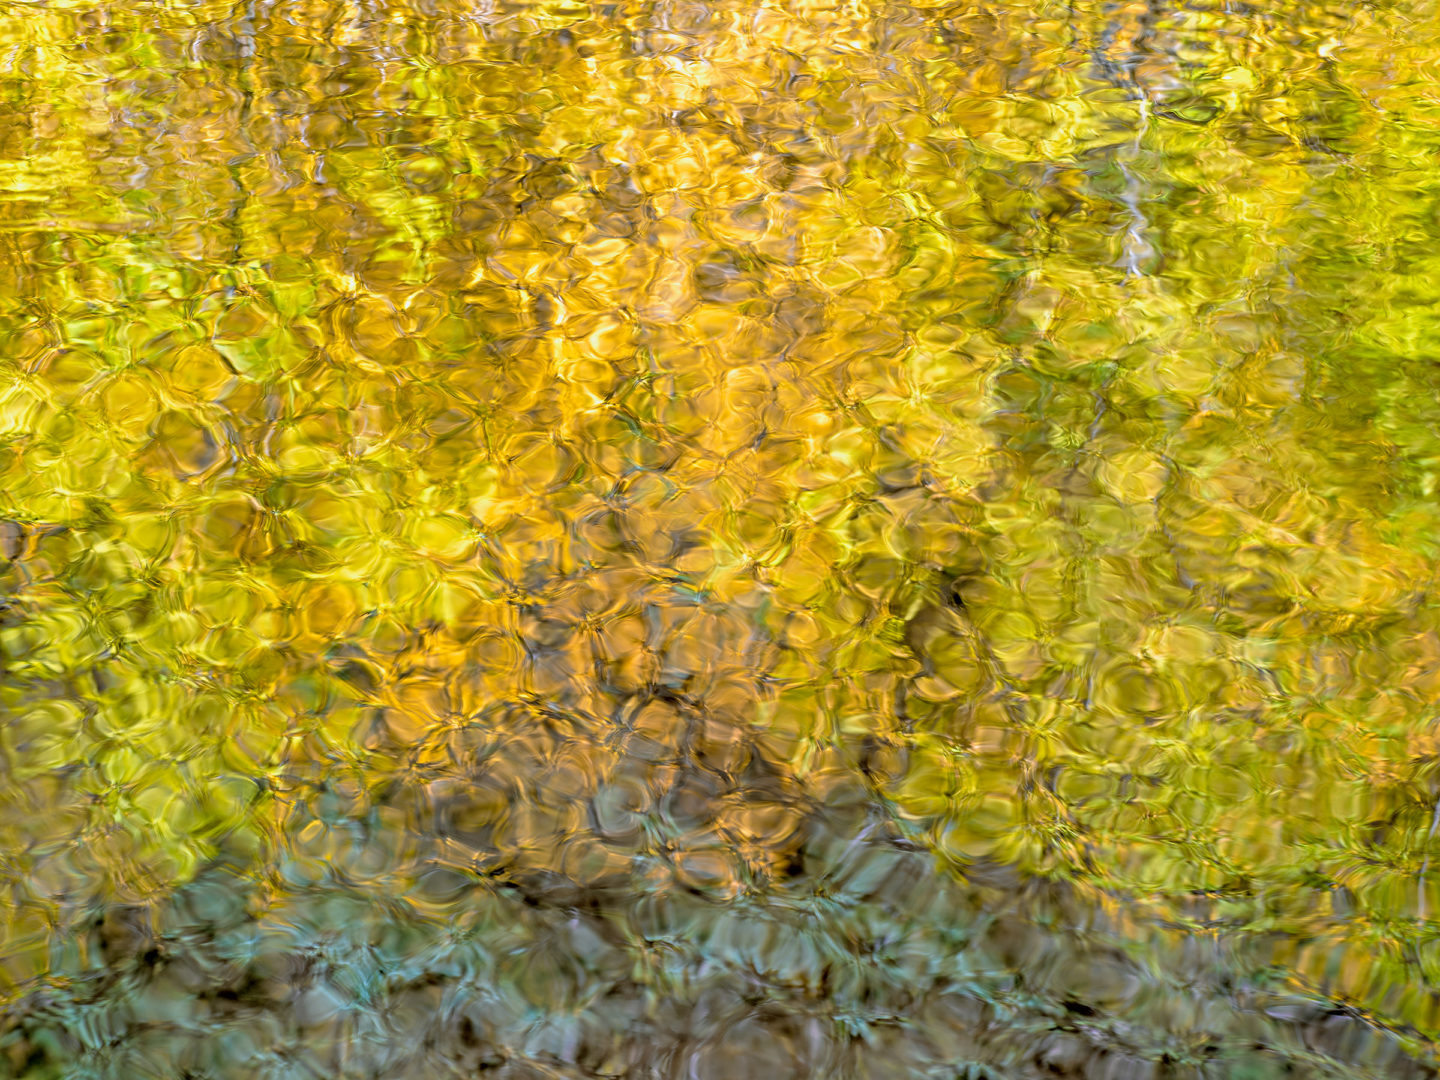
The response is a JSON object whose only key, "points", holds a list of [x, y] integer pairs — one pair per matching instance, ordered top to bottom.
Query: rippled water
{"points": [[707, 540]]}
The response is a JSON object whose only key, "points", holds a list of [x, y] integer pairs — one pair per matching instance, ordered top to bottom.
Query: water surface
{"points": [[719, 539]]}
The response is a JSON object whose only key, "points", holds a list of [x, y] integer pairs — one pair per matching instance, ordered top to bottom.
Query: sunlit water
{"points": [[719, 540]]}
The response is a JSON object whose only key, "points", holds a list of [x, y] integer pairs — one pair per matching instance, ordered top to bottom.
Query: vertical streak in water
{"points": [[244, 38], [1137, 248], [1425, 863]]}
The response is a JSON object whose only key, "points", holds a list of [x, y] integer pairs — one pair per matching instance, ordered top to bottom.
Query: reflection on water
{"points": [[719, 539]]}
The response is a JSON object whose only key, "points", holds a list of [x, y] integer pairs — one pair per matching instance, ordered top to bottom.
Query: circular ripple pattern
{"points": [[704, 540]]}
